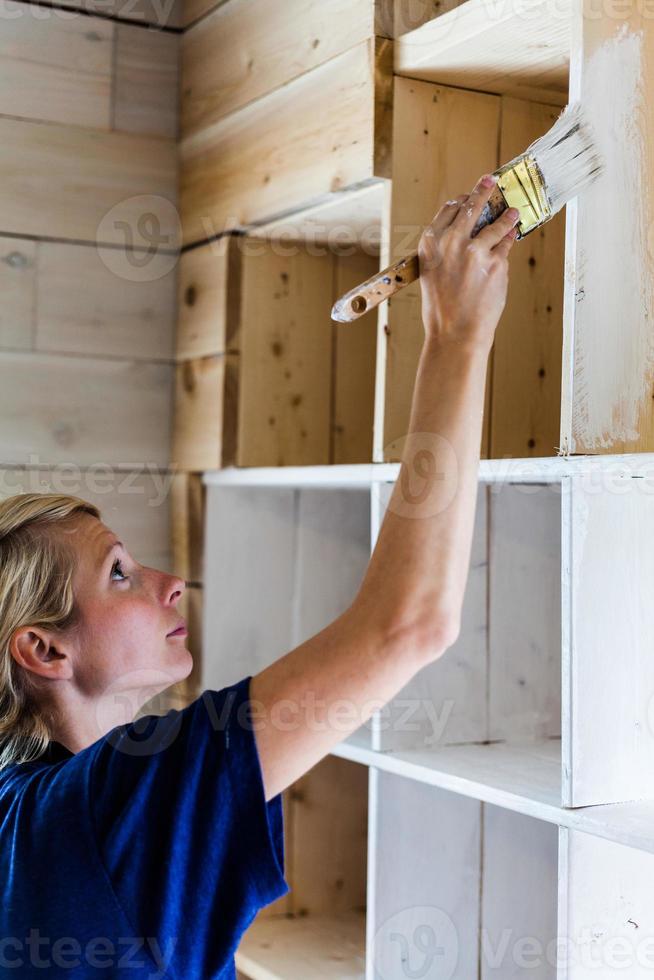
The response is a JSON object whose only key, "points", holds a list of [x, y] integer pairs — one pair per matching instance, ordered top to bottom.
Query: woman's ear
{"points": [[40, 652]]}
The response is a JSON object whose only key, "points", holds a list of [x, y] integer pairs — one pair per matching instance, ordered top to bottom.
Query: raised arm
{"points": [[407, 611]]}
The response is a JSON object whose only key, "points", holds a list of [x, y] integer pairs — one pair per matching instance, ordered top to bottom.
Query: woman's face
{"points": [[122, 647]]}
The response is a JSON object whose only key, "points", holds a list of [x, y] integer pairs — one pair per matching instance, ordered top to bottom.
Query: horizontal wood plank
{"points": [[158, 13], [245, 49], [56, 67], [146, 81], [322, 133], [62, 182], [18, 290], [112, 315], [87, 411], [134, 504]]}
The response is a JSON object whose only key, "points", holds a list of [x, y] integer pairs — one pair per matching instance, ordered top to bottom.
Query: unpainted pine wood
{"points": [[194, 9], [157, 13], [412, 14], [261, 46], [509, 50], [56, 68], [146, 84], [320, 134], [444, 139], [62, 181], [350, 219], [18, 290], [209, 293], [113, 314], [286, 354], [354, 368], [526, 380], [608, 393], [83, 410], [197, 443], [135, 504], [188, 508], [333, 551], [248, 581], [524, 611], [607, 639], [446, 701], [328, 840], [427, 880], [518, 896], [608, 912], [331, 947]]}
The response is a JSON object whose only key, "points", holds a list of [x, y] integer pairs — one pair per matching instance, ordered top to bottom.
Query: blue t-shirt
{"points": [[145, 855]]}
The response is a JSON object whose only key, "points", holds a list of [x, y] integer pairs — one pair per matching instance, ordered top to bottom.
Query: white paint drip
{"points": [[613, 308]]}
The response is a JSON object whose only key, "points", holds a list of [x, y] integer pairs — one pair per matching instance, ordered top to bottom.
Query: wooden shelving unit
{"points": [[509, 788]]}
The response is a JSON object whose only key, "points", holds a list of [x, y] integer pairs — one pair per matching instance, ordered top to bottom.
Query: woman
{"points": [[145, 849]]}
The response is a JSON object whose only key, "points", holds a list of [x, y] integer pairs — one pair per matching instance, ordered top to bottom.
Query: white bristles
{"points": [[567, 156]]}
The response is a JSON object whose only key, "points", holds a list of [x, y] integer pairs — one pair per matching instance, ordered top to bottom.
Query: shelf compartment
{"points": [[511, 49], [444, 138], [263, 376], [280, 565], [537, 657], [475, 890], [320, 930]]}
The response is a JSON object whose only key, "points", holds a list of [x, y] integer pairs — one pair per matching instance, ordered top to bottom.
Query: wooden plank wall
{"points": [[89, 241]]}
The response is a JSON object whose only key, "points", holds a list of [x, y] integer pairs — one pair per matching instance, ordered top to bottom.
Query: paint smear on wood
{"points": [[614, 347]]}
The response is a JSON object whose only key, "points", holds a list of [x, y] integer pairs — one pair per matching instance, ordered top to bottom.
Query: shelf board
{"points": [[511, 49], [345, 218], [546, 469], [524, 777], [321, 947]]}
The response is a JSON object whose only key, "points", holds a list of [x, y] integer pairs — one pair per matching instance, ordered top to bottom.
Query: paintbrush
{"points": [[552, 170]]}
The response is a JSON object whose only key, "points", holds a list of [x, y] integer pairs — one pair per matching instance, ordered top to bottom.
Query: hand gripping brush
{"points": [[552, 170]]}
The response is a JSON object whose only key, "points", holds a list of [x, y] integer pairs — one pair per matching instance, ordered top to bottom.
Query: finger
{"points": [[448, 212], [467, 217], [491, 235], [505, 245]]}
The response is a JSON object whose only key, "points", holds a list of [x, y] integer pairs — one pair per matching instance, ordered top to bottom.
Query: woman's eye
{"points": [[118, 566]]}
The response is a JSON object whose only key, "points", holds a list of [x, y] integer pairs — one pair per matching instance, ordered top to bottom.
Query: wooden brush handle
{"points": [[385, 284], [379, 287]]}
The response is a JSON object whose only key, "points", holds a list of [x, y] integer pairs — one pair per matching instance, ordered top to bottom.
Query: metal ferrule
{"points": [[523, 187]]}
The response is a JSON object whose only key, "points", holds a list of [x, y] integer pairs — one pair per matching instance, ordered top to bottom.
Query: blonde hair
{"points": [[36, 589]]}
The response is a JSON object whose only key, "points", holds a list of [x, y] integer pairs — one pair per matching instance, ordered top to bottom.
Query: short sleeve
{"points": [[189, 843]]}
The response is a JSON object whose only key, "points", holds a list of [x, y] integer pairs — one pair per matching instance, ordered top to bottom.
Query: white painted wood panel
{"points": [[249, 552], [332, 557], [525, 611], [608, 638], [447, 701], [519, 897], [425, 901], [608, 917]]}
